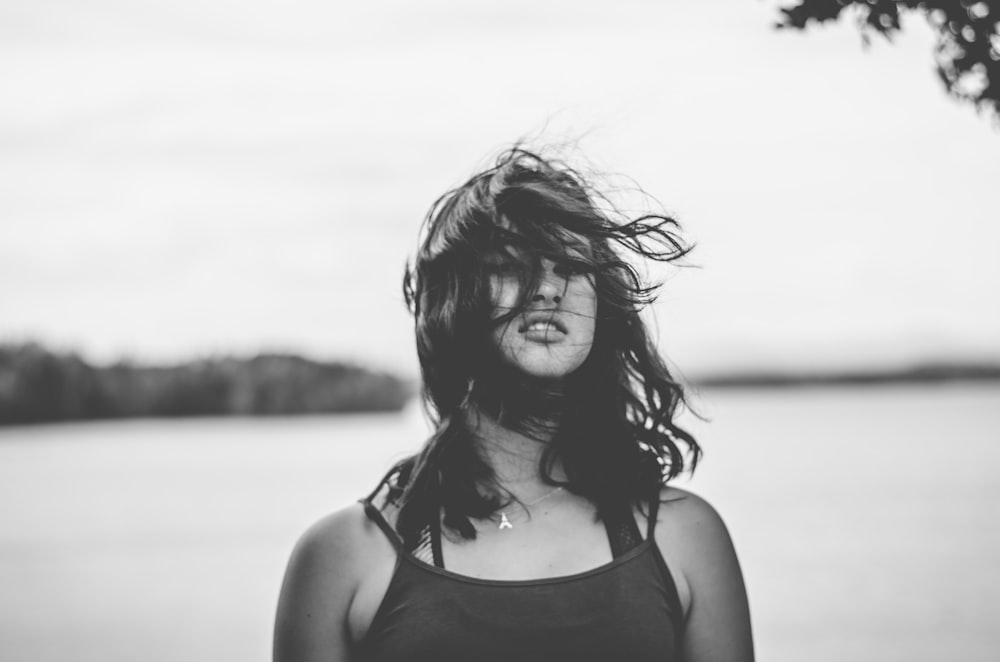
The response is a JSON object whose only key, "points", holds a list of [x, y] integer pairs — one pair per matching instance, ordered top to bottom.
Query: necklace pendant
{"points": [[504, 522]]}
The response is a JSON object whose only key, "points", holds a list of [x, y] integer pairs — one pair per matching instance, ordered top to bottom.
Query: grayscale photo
{"points": [[532, 331]]}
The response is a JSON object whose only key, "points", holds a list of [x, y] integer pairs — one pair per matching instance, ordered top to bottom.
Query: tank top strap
{"points": [[375, 515], [673, 596]]}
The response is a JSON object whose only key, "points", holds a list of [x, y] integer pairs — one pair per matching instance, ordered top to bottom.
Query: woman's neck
{"points": [[515, 456]]}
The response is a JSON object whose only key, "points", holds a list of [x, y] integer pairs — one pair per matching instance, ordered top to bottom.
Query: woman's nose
{"points": [[551, 285]]}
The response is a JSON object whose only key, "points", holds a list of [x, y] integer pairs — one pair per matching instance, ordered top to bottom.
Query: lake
{"points": [[865, 519]]}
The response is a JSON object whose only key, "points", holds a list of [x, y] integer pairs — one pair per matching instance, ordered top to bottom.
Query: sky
{"points": [[196, 178]]}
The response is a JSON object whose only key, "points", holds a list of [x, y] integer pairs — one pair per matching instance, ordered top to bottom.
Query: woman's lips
{"points": [[547, 320], [543, 332]]}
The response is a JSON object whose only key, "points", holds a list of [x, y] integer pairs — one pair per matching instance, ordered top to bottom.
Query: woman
{"points": [[536, 523]]}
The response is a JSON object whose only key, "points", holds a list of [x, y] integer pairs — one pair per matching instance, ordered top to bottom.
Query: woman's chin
{"points": [[547, 368], [544, 375]]}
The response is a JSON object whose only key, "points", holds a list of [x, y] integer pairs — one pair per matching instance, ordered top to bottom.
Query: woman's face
{"points": [[553, 335]]}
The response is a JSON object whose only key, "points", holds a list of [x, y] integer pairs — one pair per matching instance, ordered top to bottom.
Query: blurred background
{"points": [[207, 206]]}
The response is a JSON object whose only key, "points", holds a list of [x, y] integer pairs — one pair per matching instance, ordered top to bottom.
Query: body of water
{"points": [[865, 520]]}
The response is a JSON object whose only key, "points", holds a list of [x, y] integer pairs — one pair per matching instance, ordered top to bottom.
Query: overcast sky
{"points": [[198, 177]]}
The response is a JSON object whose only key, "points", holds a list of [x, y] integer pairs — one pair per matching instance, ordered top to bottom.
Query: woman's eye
{"points": [[504, 268], [567, 270]]}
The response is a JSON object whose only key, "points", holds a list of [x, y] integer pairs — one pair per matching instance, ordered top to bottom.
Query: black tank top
{"points": [[626, 609]]}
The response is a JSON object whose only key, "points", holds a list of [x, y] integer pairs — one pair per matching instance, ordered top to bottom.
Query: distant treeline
{"points": [[918, 374], [38, 385]]}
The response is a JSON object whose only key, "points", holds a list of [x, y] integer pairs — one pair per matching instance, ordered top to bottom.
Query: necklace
{"points": [[505, 523]]}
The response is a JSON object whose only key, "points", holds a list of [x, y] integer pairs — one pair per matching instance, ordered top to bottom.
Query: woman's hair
{"points": [[616, 438]]}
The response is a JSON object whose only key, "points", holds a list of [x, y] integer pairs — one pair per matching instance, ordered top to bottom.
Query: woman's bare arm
{"points": [[696, 543], [320, 583]]}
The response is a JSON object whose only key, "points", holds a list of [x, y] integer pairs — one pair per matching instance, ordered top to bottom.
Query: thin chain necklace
{"points": [[505, 523]]}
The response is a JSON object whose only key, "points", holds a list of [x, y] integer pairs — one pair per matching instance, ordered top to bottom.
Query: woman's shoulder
{"points": [[684, 507], [688, 523], [348, 534], [340, 535], [694, 540], [338, 550], [330, 553], [326, 583]]}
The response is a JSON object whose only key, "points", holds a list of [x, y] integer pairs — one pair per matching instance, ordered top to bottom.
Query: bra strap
{"points": [[654, 509], [435, 527], [623, 533]]}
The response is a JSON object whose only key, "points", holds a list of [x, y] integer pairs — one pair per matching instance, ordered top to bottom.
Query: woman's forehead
{"points": [[554, 238]]}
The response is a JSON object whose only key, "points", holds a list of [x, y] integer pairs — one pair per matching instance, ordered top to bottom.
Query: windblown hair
{"points": [[616, 437]]}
